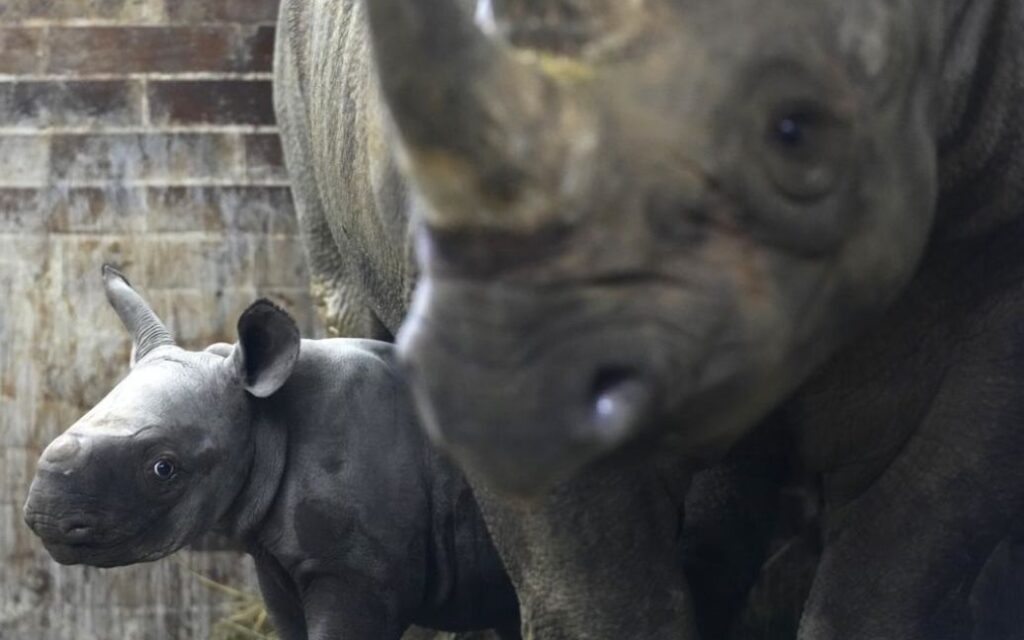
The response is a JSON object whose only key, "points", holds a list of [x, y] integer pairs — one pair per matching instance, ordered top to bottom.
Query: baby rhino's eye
{"points": [[163, 468]]}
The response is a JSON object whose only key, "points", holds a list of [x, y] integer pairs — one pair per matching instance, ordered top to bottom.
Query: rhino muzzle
{"points": [[521, 419], [71, 534]]}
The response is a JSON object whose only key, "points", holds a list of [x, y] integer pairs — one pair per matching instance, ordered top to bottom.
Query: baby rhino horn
{"points": [[147, 331]]}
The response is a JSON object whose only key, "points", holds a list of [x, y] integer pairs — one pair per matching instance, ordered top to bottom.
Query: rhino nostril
{"points": [[606, 381], [619, 398], [76, 530]]}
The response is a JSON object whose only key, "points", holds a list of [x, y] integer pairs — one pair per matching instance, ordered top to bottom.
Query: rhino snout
{"points": [[523, 430], [61, 450], [71, 530], [78, 530]]}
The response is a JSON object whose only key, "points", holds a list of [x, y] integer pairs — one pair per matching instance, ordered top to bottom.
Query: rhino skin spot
{"points": [[331, 465], [355, 544]]}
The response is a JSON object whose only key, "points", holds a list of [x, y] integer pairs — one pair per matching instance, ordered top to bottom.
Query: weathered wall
{"points": [[138, 132]]}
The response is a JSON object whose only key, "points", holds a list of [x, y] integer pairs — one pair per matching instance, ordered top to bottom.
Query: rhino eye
{"points": [[790, 130], [799, 132], [806, 150], [163, 468]]}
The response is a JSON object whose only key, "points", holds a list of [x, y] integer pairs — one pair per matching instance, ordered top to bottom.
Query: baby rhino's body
{"points": [[309, 456], [367, 508]]}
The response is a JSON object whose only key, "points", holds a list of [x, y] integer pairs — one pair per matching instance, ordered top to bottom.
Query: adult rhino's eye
{"points": [[790, 130], [799, 131], [807, 148], [163, 469]]}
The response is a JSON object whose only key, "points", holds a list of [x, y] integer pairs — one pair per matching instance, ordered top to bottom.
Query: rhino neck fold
{"points": [[981, 144], [253, 502]]}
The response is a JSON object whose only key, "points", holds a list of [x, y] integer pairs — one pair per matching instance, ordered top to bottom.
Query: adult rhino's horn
{"points": [[478, 124], [147, 331]]}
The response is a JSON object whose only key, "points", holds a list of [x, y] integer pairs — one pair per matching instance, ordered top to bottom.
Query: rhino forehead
{"points": [[866, 35], [147, 399], [117, 415], [115, 425]]}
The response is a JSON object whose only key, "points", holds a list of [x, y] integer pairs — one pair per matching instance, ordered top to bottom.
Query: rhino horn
{"points": [[482, 128], [148, 332]]}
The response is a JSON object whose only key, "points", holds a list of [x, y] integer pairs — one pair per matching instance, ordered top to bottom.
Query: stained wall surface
{"points": [[138, 132]]}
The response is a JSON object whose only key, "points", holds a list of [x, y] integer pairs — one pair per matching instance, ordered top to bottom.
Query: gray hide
{"points": [[352, 205], [648, 224], [639, 240], [307, 454]]}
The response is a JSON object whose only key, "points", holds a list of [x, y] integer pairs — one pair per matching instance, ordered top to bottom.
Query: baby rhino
{"points": [[307, 452]]}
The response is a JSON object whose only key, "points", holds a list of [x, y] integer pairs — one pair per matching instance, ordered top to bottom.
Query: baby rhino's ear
{"points": [[267, 349]]}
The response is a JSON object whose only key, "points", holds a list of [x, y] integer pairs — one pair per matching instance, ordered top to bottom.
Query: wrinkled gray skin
{"points": [[350, 199], [698, 212], [712, 214], [310, 458]]}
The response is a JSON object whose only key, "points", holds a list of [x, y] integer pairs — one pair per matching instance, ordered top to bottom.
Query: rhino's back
{"points": [[337, 146]]}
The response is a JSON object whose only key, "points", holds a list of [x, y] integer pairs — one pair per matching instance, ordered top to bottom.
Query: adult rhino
{"points": [[353, 204], [643, 226]]}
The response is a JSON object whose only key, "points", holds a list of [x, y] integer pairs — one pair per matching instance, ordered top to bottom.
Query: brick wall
{"points": [[139, 132]]}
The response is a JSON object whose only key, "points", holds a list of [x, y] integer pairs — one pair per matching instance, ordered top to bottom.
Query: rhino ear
{"points": [[267, 349]]}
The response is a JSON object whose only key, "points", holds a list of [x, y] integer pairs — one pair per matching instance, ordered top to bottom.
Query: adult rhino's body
{"points": [[349, 195], [353, 207], [695, 211]]}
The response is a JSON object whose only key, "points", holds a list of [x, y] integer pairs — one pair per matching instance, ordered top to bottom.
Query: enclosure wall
{"points": [[138, 132]]}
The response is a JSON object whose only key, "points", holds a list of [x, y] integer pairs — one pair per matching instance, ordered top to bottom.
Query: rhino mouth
{"points": [[84, 540], [70, 553], [103, 555]]}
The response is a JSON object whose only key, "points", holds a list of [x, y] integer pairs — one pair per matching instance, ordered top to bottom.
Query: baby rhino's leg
{"points": [[282, 600], [336, 608]]}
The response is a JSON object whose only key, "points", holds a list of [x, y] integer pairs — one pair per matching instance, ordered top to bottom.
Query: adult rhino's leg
{"points": [[343, 308], [737, 511], [599, 557], [901, 558], [999, 591], [776, 603], [419, 633], [508, 634]]}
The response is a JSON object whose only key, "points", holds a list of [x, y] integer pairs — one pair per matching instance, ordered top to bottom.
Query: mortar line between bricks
{"points": [[41, 23], [155, 76], [139, 129], [156, 183], [194, 236]]}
